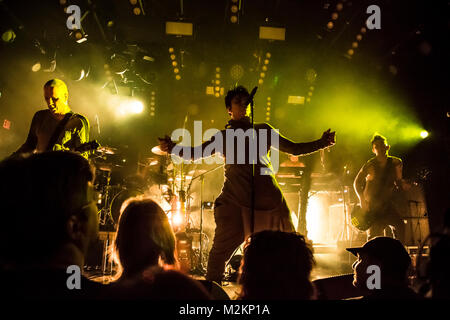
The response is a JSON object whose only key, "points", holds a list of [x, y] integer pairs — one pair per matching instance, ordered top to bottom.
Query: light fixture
{"points": [[179, 28], [272, 33]]}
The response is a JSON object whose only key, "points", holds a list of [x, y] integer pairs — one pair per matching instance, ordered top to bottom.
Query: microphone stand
{"points": [[252, 219]]}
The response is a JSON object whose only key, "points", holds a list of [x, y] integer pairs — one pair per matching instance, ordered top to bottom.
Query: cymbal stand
{"points": [[105, 212], [345, 234], [198, 269]]}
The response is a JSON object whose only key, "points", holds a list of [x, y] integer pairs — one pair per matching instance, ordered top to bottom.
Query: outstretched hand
{"points": [[329, 138], [166, 144]]}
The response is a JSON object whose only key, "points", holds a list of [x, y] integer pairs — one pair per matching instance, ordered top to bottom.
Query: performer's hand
{"points": [[329, 138], [166, 144]]}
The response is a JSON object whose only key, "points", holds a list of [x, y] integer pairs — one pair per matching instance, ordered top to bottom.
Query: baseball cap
{"points": [[389, 251]]}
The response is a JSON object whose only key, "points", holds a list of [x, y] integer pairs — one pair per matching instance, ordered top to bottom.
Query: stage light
{"points": [[133, 2], [339, 6], [234, 8], [137, 11], [334, 16], [233, 19], [330, 25], [179, 28], [363, 30], [272, 33], [8, 36], [358, 37], [355, 44], [350, 52], [268, 55], [172, 56], [266, 61], [119, 64], [36, 67], [264, 68], [217, 69], [176, 70], [236, 72], [262, 74], [218, 75], [311, 75], [177, 77], [260, 81], [217, 82], [311, 88], [210, 90], [217, 94], [310, 94], [268, 98], [296, 100], [269, 103], [136, 107], [267, 118], [424, 134], [177, 219]]}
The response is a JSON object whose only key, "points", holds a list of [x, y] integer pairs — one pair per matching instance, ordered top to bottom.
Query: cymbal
{"points": [[107, 150], [157, 150], [149, 162]]}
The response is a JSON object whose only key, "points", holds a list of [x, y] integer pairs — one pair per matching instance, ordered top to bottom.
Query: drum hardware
{"points": [[157, 150], [199, 269]]}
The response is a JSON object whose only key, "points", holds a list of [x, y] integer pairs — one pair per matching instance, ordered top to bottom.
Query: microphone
{"points": [[252, 94]]}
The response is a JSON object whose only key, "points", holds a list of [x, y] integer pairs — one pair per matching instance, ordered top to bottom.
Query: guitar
{"points": [[88, 146], [362, 219]]}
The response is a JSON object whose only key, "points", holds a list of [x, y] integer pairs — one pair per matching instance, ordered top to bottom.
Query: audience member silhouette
{"points": [[49, 219], [144, 249], [393, 261], [276, 266], [439, 268]]}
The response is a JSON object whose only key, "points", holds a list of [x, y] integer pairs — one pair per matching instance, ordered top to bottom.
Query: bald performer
{"points": [[46, 122]]}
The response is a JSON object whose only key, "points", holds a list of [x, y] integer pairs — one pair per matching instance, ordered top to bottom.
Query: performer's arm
{"points": [[79, 135], [31, 142], [303, 148], [191, 153], [399, 174], [359, 184]]}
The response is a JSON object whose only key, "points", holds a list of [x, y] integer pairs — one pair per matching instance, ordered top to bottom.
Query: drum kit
{"points": [[159, 178]]}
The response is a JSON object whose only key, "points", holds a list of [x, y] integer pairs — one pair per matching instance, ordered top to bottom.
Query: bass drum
{"points": [[119, 199]]}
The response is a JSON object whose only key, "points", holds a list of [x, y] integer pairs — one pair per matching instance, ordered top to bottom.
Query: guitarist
{"points": [[56, 128], [375, 184]]}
